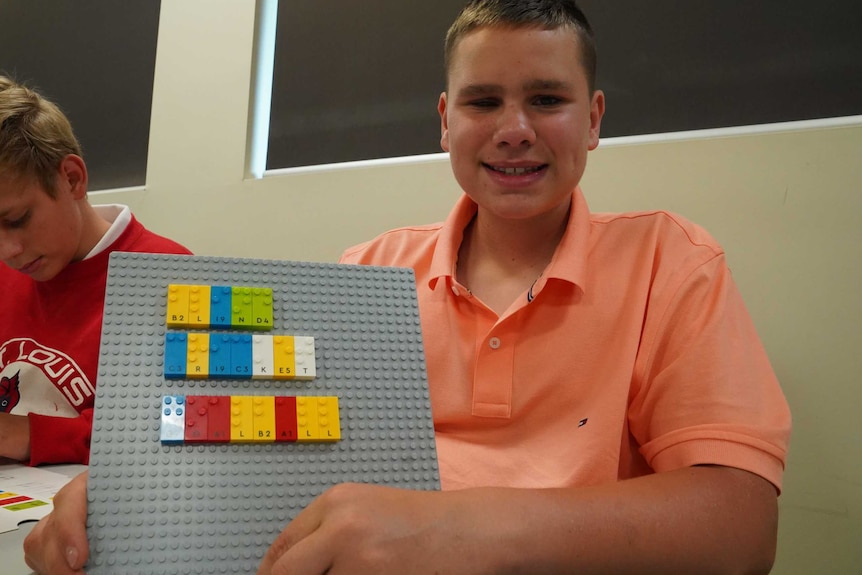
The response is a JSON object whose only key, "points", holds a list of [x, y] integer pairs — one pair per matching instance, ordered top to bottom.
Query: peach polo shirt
{"points": [[633, 353]]}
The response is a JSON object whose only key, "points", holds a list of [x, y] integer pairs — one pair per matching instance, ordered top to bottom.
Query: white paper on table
{"points": [[28, 493]]}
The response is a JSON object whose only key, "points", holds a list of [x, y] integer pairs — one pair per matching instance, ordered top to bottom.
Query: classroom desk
{"points": [[11, 543]]}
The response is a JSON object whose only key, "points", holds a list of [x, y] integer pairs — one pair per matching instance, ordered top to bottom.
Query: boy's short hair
{"points": [[544, 14], [35, 135]]}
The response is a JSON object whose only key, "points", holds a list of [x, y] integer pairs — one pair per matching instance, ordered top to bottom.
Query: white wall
{"points": [[787, 206]]}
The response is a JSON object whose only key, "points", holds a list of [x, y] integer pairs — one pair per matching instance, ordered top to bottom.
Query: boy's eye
{"points": [[546, 100], [483, 103], [18, 222]]}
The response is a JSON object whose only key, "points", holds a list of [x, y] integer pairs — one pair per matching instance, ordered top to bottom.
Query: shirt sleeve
{"points": [[706, 392], [60, 439]]}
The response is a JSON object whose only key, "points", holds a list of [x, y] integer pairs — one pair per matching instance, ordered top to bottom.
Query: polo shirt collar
{"points": [[449, 240], [570, 259], [568, 263]]}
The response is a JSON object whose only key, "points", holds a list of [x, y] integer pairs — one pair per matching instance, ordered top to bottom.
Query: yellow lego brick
{"points": [[178, 305], [199, 307], [198, 356], [283, 357], [241, 418], [264, 419], [306, 419], [328, 423]]}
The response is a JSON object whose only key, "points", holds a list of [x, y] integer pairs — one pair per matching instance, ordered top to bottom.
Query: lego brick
{"points": [[261, 305], [178, 306], [199, 306], [220, 307], [241, 308], [176, 355], [198, 356], [240, 356], [284, 359], [219, 363], [306, 365], [263, 366], [197, 418], [269, 418], [218, 419], [241, 419], [264, 419], [285, 419], [173, 424], [328, 424], [307, 428], [216, 508]]}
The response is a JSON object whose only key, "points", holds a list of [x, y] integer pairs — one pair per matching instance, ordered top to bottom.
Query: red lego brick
{"points": [[197, 410], [218, 419], [285, 419]]}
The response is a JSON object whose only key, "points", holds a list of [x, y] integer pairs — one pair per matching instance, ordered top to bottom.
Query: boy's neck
{"points": [[94, 228], [499, 260]]}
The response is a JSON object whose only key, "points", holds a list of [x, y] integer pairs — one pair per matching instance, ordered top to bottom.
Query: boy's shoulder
{"points": [[656, 225], [140, 239], [394, 245]]}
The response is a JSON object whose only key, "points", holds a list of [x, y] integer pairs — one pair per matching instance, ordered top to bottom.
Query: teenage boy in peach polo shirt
{"points": [[601, 400]]}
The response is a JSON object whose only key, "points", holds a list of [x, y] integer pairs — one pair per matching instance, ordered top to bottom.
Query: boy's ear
{"points": [[597, 111], [444, 122], [72, 176]]}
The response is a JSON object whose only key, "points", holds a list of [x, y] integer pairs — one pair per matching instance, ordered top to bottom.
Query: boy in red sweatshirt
{"points": [[54, 249]]}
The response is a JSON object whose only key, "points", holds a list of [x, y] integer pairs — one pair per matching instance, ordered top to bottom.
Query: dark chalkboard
{"points": [[95, 59], [673, 65], [360, 80]]}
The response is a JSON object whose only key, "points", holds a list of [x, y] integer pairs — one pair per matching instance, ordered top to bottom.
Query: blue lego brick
{"points": [[220, 307], [176, 354], [219, 355], [240, 356]]}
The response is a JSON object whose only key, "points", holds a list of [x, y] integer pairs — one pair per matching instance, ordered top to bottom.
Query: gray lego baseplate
{"points": [[215, 508]]}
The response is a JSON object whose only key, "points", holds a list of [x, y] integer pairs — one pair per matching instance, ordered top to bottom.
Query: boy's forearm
{"points": [[14, 436], [698, 520]]}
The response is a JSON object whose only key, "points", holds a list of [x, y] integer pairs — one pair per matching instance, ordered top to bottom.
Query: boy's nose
{"points": [[514, 127], [9, 248]]}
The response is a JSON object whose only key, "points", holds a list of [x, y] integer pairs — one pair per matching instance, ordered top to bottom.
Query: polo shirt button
{"points": [[455, 290], [494, 342]]}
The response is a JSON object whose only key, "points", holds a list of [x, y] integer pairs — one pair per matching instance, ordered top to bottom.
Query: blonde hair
{"points": [[35, 135]]}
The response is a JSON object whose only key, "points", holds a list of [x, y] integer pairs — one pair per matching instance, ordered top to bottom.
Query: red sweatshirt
{"points": [[49, 347]]}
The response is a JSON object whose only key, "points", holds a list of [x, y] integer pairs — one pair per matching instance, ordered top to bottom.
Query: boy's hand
{"points": [[366, 529], [58, 544]]}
